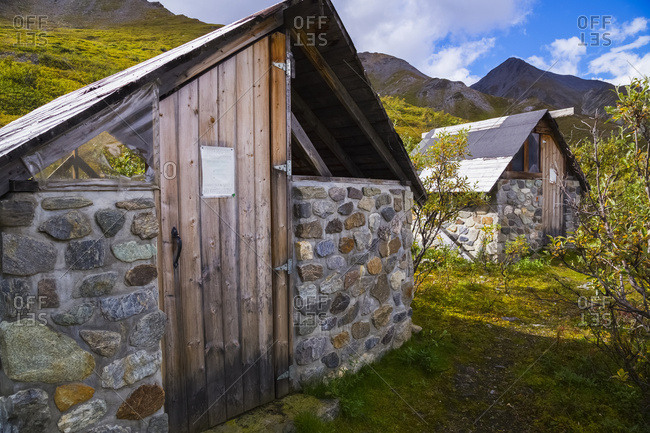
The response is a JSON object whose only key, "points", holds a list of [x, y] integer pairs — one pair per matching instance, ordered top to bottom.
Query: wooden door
{"points": [[553, 168], [221, 298]]}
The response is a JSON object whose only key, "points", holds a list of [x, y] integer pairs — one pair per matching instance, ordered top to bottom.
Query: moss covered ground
{"points": [[490, 361]]}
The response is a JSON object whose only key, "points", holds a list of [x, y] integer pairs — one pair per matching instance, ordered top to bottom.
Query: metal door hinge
{"points": [[287, 67], [284, 167], [288, 267]]}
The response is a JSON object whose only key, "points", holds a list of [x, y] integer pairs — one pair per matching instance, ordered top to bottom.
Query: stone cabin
{"points": [[527, 171], [202, 233]]}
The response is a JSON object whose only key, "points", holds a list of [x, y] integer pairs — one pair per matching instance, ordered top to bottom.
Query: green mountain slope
{"points": [[39, 64], [391, 76]]}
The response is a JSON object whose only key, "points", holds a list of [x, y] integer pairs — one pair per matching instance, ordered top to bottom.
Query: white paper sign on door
{"points": [[218, 170], [552, 176]]}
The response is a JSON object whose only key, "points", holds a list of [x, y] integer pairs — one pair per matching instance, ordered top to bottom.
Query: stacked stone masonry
{"points": [[353, 281], [80, 326]]}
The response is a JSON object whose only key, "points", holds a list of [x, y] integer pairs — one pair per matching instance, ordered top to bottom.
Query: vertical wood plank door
{"points": [[552, 206], [220, 358]]}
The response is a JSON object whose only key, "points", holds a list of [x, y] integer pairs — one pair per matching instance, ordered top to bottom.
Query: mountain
{"points": [[85, 13], [391, 76], [515, 78]]}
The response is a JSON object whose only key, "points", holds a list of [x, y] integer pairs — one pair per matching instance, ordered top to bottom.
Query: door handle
{"points": [[179, 246]]}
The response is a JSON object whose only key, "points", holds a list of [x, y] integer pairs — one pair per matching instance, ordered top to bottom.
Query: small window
{"points": [[116, 143], [527, 159]]}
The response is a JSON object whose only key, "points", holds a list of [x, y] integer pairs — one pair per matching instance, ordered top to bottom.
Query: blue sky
{"points": [[463, 39]]}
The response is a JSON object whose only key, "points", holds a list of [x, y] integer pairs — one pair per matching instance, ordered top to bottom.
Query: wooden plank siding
{"points": [[279, 185], [552, 207], [219, 352]]}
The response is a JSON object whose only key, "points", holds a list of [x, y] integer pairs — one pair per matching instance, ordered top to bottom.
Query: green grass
{"points": [[65, 59], [470, 369]]}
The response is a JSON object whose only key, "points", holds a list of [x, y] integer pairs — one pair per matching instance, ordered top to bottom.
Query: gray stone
{"points": [[369, 191], [309, 192], [354, 193], [337, 194], [383, 200], [58, 203], [366, 203], [136, 204], [398, 204], [323, 208], [346, 208], [302, 210], [17, 212], [388, 213], [110, 221], [374, 222], [71, 225], [145, 225], [334, 226], [309, 230], [383, 233], [362, 240], [325, 248], [129, 252], [22, 255], [85, 255], [335, 262], [389, 264], [310, 272], [141, 275], [396, 280], [332, 284], [364, 284], [97, 285], [381, 291], [14, 297], [48, 297], [397, 299], [340, 303], [125, 306], [77, 315], [350, 315], [381, 316], [399, 317], [328, 323], [307, 324], [149, 330], [360, 330], [388, 337], [371, 342], [104, 343], [310, 350], [35, 353], [331, 360], [131, 369], [26, 411], [82, 416], [159, 424], [110, 429]]}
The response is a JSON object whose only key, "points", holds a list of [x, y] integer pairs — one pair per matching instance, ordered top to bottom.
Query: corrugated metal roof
{"points": [[492, 138], [491, 144]]}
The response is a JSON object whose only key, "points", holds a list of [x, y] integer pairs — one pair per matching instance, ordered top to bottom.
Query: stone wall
{"points": [[519, 204], [473, 229], [353, 274], [80, 326]]}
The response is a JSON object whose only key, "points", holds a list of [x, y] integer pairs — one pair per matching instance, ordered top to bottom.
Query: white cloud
{"points": [[411, 29], [627, 29], [640, 42], [565, 56], [452, 62], [621, 66]]}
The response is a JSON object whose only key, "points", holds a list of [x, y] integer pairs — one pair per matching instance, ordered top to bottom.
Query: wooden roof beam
{"points": [[347, 101], [323, 133], [300, 136]]}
